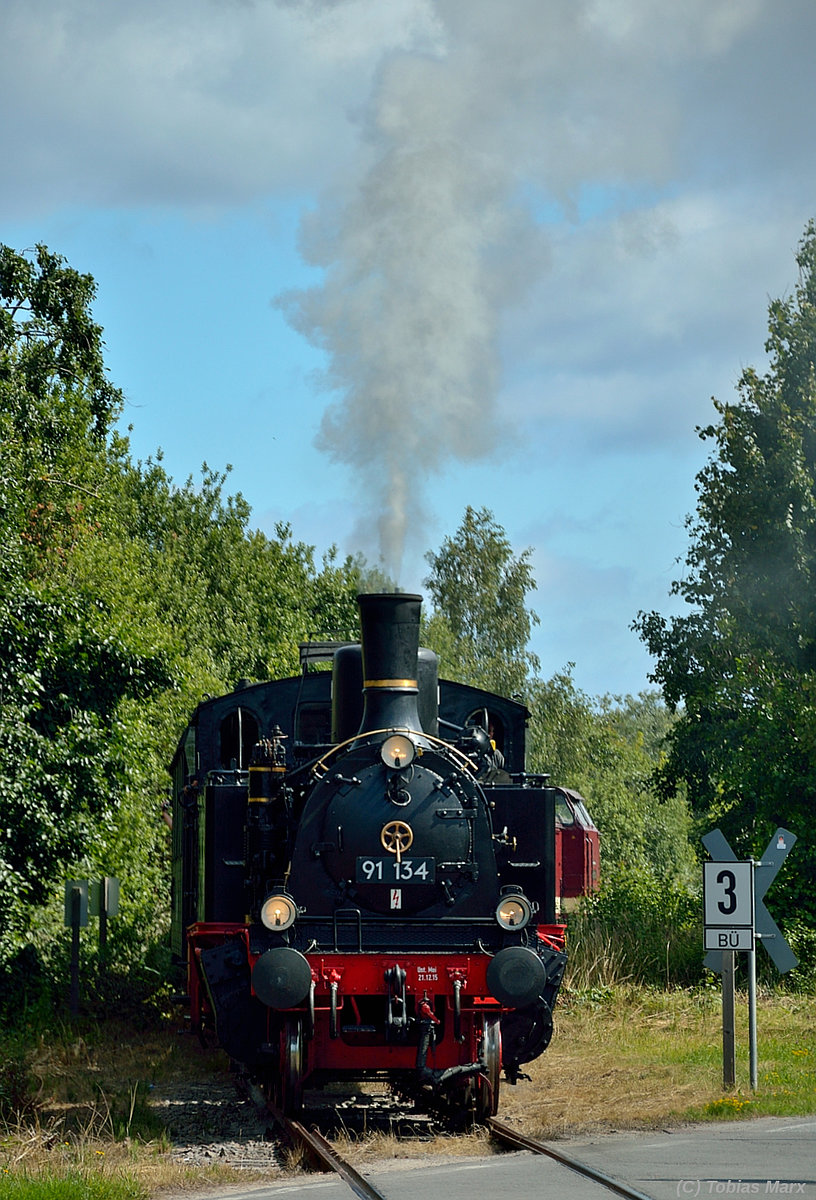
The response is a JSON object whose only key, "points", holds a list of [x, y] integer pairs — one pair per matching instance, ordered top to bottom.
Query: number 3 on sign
{"points": [[729, 893], [728, 904]]}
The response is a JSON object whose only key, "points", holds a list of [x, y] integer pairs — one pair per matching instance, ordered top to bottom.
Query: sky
{"points": [[390, 258]]}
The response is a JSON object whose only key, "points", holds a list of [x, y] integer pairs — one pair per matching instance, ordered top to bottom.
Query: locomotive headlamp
{"points": [[398, 751], [514, 911], [278, 912]]}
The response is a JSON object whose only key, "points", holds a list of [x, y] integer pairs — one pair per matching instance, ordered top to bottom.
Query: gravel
{"points": [[209, 1123]]}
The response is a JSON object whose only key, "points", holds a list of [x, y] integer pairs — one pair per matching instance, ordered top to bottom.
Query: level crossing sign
{"points": [[729, 889], [728, 904]]}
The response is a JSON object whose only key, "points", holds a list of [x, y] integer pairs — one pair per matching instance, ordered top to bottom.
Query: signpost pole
{"points": [[728, 904], [103, 920], [752, 1004], [729, 1023]]}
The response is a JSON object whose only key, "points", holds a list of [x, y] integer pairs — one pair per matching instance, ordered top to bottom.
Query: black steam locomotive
{"points": [[364, 876]]}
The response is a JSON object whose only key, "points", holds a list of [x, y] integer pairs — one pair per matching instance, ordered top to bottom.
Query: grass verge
{"points": [[622, 1057], [629, 1057], [73, 1185]]}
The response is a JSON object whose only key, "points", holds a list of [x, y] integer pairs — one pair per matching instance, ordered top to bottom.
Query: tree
{"points": [[56, 402], [123, 599], [480, 625], [741, 666], [64, 670], [608, 750]]}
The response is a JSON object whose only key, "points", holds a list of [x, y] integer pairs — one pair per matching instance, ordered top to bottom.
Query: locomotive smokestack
{"points": [[390, 641]]}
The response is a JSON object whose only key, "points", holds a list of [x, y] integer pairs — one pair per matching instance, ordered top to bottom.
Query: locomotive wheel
{"points": [[293, 1065], [488, 1083]]}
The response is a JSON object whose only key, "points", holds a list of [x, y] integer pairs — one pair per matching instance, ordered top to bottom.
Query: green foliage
{"points": [[56, 403], [123, 599], [237, 601], [480, 626], [741, 666], [64, 669], [563, 730], [608, 751], [644, 924], [639, 929], [802, 940], [26, 989]]}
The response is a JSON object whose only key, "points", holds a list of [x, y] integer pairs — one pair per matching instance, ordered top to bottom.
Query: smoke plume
{"points": [[471, 132], [415, 253]]}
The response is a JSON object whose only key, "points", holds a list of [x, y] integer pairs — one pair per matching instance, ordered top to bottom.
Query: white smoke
{"points": [[499, 111], [416, 253]]}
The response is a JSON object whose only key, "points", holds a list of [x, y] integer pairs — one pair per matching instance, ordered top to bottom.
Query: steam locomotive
{"points": [[364, 878]]}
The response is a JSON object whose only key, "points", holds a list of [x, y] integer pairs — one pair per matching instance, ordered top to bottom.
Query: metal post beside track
{"points": [[752, 1017], [728, 1021]]}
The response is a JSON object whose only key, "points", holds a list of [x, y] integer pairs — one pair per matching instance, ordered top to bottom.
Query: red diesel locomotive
{"points": [[365, 879]]}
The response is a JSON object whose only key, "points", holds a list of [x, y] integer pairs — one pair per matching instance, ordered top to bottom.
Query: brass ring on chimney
{"points": [[402, 684], [397, 837]]}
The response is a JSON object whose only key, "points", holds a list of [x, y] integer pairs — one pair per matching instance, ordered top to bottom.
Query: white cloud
{"points": [[175, 102], [548, 230], [644, 315]]}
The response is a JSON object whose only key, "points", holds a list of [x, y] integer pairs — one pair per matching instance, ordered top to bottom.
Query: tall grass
{"points": [[636, 930], [641, 930]]}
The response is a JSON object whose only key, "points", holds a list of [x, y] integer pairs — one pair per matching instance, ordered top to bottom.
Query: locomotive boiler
{"points": [[364, 882]]}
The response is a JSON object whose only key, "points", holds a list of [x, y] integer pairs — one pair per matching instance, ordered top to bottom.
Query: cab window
{"points": [[314, 724], [492, 725], [563, 813]]}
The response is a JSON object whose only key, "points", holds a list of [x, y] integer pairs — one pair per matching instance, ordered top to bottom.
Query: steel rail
{"points": [[296, 1132], [505, 1133], [330, 1159], [366, 1190]]}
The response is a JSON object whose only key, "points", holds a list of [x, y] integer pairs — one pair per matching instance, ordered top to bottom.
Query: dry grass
{"points": [[621, 1058], [633, 1058], [619, 1064], [93, 1112]]}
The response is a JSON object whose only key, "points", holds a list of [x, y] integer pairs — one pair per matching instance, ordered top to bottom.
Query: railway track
{"points": [[512, 1137], [324, 1153], [326, 1156]]}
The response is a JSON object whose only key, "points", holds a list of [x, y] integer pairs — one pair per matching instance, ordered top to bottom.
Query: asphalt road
{"points": [[767, 1157]]}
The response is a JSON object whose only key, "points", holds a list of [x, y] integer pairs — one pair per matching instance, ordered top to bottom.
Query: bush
{"points": [[638, 929], [802, 939], [26, 989], [16, 1089]]}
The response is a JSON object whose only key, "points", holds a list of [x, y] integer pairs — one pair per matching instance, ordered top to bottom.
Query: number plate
{"points": [[388, 870]]}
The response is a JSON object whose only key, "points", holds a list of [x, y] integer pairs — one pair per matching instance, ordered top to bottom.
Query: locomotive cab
{"points": [[578, 849]]}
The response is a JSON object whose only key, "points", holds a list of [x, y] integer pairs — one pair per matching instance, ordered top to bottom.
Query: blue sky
{"points": [[449, 251]]}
